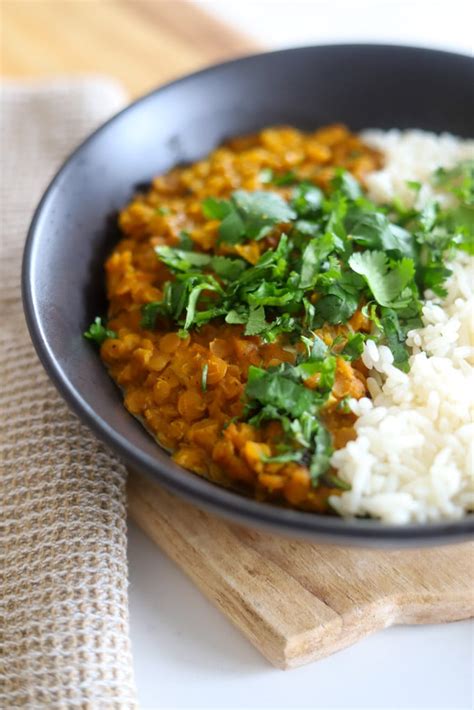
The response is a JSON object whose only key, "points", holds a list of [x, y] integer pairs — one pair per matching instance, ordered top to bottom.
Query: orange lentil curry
{"points": [[187, 381]]}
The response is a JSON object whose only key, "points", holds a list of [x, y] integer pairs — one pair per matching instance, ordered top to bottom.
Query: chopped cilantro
{"points": [[266, 175], [288, 178], [458, 180], [346, 184], [307, 200], [215, 209], [261, 210], [247, 215], [428, 216], [464, 225], [232, 228], [373, 230], [185, 241], [338, 251], [315, 252], [180, 260], [228, 269], [386, 281], [341, 297], [149, 313], [192, 315], [237, 317], [256, 322], [98, 332], [354, 347], [316, 348], [325, 367], [204, 372], [278, 390], [278, 394], [343, 405], [284, 457], [321, 457], [331, 479]]}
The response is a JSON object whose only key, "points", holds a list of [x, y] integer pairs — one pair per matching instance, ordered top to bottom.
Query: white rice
{"points": [[413, 155], [413, 458]]}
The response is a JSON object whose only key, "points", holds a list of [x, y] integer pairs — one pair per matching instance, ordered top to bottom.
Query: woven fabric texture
{"points": [[64, 638]]}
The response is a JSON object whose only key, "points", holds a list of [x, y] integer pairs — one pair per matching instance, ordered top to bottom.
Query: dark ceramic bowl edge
{"points": [[197, 490]]}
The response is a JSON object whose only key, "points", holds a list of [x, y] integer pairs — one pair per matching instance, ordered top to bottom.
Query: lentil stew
{"points": [[245, 385]]}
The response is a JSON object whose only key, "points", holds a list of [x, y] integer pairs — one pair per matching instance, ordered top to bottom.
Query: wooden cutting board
{"points": [[142, 43], [296, 602]]}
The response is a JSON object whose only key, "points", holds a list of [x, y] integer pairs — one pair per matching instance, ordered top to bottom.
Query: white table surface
{"points": [[186, 654]]}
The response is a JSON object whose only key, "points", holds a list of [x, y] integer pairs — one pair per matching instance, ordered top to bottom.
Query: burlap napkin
{"points": [[63, 592]]}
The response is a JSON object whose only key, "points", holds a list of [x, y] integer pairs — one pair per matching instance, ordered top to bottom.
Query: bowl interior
{"points": [[74, 227]]}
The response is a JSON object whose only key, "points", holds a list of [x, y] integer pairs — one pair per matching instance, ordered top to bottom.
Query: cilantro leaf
{"points": [[265, 175], [288, 178], [459, 180], [346, 184], [307, 200], [215, 209], [260, 210], [249, 215], [428, 216], [460, 221], [232, 228], [303, 228], [373, 230], [464, 239], [185, 241], [315, 252], [181, 260], [226, 268], [433, 276], [386, 283], [269, 294], [342, 295], [193, 297], [172, 305], [149, 314], [237, 317], [256, 322], [395, 325], [98, 332], [395, 337], [354, 347], [316, 348], [325, 367], [204, 372], [279, 391], [285, 457], [321, 457], [334, 481]]}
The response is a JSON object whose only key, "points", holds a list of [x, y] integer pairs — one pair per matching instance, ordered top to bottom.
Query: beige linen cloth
{"points": [[64, 638]]}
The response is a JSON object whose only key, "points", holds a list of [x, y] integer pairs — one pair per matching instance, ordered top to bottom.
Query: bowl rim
{"points": [[227, 503]]}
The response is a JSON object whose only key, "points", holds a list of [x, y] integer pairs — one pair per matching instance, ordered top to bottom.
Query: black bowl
{"points": [[361, 85]]}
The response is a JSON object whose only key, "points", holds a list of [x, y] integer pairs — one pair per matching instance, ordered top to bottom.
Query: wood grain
{"points": [[142, 43], [298, 602]]}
